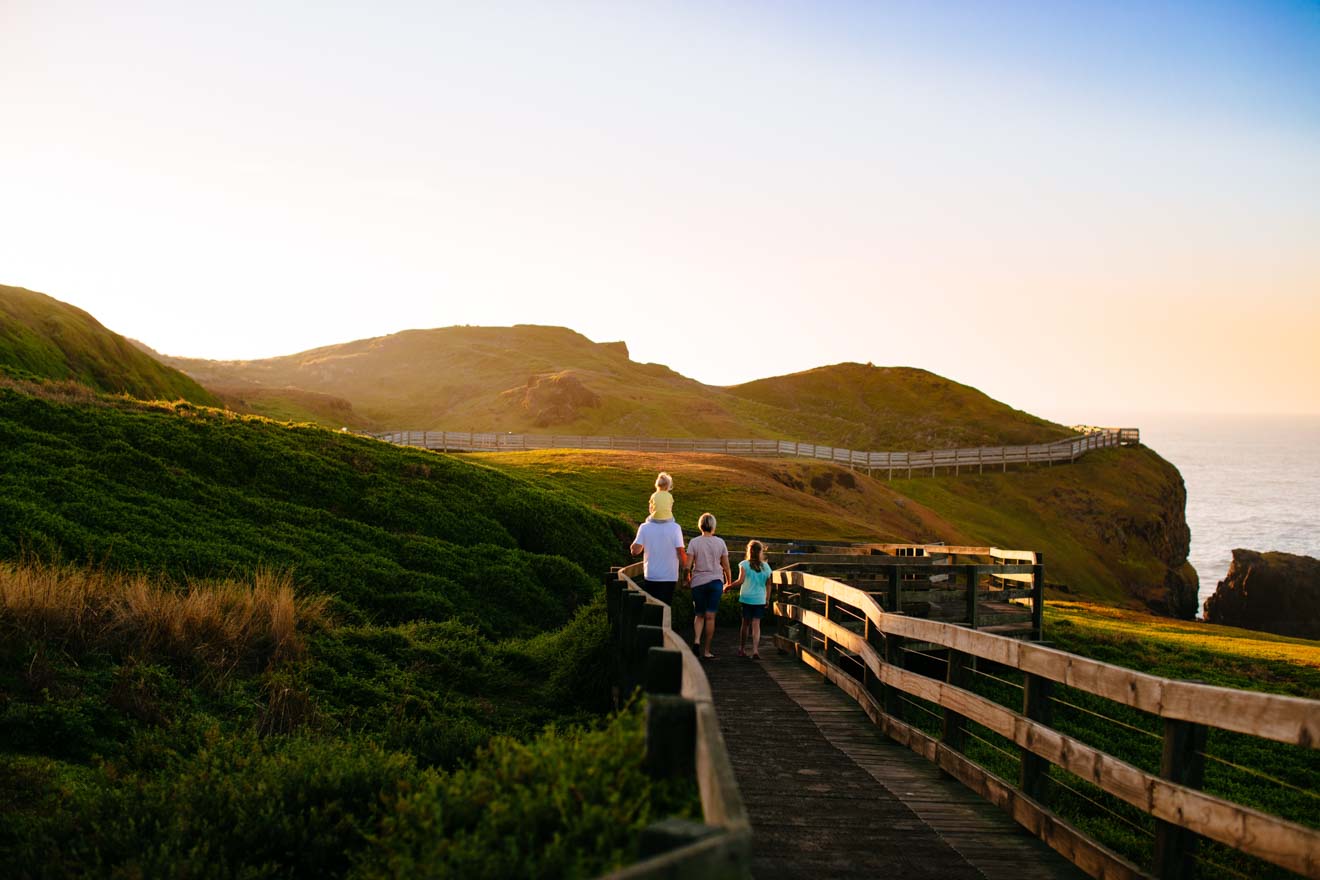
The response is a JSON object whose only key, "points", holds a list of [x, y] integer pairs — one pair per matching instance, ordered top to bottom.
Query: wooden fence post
{"points": [[972, 575], [895, 597], [1038, 597], [633, 603], [829, 609], [647, 637], [894, 657], [664, 671], [1036, 706], [954, 733], [671, 736], [1183, 763]]}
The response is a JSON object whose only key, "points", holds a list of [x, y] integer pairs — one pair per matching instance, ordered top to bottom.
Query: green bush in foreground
{"points": [[568, 803]]}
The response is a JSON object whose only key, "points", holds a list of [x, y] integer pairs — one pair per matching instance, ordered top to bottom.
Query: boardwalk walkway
{"points": [[829, 796]]}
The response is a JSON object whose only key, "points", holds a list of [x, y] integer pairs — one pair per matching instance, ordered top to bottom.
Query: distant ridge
{"points": [[43, 338], [530, 379]]}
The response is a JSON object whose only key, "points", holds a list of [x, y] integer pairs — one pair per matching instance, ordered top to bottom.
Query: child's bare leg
{"points": [[756, 637]]}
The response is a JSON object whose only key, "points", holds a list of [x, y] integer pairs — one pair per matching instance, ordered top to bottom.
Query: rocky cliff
{"points": [[1273, 592]]}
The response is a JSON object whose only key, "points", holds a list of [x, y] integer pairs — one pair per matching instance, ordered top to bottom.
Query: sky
{"points": [[1079, 208]]}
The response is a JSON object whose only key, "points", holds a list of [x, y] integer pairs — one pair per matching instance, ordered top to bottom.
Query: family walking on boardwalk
{"points": [[704, 565]]}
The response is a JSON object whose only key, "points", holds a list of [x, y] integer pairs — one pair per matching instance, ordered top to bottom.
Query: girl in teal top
{"points": [[754, 580]]}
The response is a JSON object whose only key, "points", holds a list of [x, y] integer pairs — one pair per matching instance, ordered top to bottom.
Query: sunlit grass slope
{"points": [[41, 337], [551, 379], [865, 407], [785, 498], [1103, 523], [1110, 525], [397, 533], [230, 647], [1188, 649]]}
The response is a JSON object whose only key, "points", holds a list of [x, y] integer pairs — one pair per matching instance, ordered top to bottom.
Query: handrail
{"points": [[912, 462], [1173, 801], [726, 850]]}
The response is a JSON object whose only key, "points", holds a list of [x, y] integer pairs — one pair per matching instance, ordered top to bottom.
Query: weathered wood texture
{"points": [[904, 463], [828, 796], [1274, 839], [725, 852]]}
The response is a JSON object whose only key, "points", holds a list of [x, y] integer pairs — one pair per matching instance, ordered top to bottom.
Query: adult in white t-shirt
{"points": [[660, 544], [709, 558]]}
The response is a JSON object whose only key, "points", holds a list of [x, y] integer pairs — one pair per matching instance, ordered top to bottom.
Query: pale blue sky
{"points": [[1075, 207]]}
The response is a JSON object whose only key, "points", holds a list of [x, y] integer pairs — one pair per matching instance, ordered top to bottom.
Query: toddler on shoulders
{"points": [[662, 503]]}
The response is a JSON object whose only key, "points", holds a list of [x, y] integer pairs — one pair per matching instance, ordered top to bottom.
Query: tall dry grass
{"points": [[220, 625]]}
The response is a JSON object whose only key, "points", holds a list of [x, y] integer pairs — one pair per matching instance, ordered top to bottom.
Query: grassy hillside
{"points": [[41, 337], [550, 379], [882, 408], [771, 498], [1109, 525], [234, 648]]}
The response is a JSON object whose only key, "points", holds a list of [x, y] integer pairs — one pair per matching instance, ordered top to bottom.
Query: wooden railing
{"points": [[904, 463], [863, 653], [682, 738]]}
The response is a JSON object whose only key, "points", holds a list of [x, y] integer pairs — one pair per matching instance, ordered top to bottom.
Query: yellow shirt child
{"points": [[662, 503]]}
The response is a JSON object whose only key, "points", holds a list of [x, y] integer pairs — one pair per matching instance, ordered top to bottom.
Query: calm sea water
{"points": [[1252, 482]]}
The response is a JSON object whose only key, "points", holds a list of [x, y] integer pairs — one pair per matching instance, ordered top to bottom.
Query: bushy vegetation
{"points": [[43, 338], [391, 534], [230, 647]]}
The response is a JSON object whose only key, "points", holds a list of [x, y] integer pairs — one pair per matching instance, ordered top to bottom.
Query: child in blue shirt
{"points": [[754, 580]]}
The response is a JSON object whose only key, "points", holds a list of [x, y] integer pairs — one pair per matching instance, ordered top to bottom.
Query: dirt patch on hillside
{"points": [[553, 398]]}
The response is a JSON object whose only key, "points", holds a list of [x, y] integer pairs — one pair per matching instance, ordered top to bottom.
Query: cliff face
{"points": [[1273, 592]]}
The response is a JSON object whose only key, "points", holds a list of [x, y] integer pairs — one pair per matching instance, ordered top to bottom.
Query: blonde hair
{"points": [[664, 482], [706, 522], [754, 551]]}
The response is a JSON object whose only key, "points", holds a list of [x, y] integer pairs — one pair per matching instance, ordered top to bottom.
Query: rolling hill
{"points": [[41, 337], [550, 379], [1111, 525]]}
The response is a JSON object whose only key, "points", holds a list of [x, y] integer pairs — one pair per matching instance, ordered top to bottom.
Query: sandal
{"points": [[742, 653], [756, 656], [708, 657]]}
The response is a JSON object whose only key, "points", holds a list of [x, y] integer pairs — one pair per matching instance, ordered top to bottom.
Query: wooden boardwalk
{"points": [[830, 796]]}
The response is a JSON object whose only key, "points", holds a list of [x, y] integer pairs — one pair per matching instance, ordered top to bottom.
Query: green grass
{"points": [[41, 337], [1110, 525], [463, 618]]}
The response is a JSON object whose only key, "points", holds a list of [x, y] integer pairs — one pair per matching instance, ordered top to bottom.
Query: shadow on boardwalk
{"points": [[829, 796]]}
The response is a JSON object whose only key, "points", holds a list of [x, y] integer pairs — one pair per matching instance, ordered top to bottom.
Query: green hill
{"points": [[41, 337], [551, 379], [860, 406], [1111, 525], [230, 647]]}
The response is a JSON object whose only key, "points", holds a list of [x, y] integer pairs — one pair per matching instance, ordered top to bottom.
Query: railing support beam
{"points": [[1036, 693], [1183, 762]]}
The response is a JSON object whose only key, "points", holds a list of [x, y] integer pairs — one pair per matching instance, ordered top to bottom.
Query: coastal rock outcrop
{"points": [[1273, 592]]}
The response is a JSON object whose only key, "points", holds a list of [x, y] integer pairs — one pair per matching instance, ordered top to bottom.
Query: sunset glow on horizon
{"points": [[1075, 209]]}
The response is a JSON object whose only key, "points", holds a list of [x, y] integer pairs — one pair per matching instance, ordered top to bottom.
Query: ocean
{"points": [[1252, 481]]}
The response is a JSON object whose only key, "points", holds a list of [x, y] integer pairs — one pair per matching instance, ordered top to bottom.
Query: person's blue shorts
{"points": [[706, 597], [753, 612]]}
